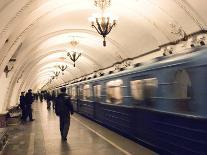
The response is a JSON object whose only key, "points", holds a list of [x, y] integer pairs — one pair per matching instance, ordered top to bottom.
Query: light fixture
{"points": [[103, 4], [104, 22], [74, 54], [62, 68], [56, 73]]}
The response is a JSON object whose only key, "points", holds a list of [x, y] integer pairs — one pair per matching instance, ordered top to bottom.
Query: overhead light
{"points": [[102, 4], [103, 22], [74, 54], [62, 68], [56, 73]]}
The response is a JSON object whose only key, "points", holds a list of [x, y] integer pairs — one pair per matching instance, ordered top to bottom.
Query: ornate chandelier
{"points": [[103, 4], [103, 23], [74, 54], [62, 68], [56, 73]]}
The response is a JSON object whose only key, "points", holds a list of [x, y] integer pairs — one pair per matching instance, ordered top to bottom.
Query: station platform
{"points": [[42, 137]]}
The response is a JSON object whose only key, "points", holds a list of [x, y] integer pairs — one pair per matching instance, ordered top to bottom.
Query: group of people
{"points": [[50, 98], [26, 101], [61, 104]]}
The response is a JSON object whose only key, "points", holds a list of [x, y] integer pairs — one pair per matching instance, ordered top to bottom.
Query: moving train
{"points": [[162, 105]]}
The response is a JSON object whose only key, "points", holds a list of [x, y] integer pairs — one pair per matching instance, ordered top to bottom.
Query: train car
{"points": [[73, 92], [162, 105]]}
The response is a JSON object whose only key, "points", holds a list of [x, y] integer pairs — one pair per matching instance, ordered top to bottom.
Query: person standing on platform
{"points": [[38, 94], [41, 96], [48, 99], [53, 99], [29, 100], [23, 106], [63, 109]]}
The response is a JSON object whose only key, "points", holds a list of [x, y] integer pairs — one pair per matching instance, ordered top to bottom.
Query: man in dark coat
{"points": [[41, 96], [29, 99], [48, 99], [53, 99], [23, 106], [63, 109]]}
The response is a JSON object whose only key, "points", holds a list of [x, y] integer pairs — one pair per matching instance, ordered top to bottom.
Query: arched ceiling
{"points": [[44, 29]]}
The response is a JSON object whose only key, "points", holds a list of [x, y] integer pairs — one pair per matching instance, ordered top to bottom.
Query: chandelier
{"points": [[103, 4], [104, 22], [74, 54], [62, 68], [56, 73]]}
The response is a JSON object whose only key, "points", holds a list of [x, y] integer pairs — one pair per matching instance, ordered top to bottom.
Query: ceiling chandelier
{"points": [[103, 22], [74, 54], [62, 68], [56, 74]]}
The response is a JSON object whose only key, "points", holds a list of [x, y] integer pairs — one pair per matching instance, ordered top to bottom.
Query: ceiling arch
{"points": [[44, 29]]}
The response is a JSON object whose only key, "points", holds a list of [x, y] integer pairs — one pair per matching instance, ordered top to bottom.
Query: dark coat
{"points": [[48, 97], [29, 98], [22, 102], [63, 105]]}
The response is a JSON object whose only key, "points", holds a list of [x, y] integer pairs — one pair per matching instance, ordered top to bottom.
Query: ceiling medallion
{"points": [[103, 22]]}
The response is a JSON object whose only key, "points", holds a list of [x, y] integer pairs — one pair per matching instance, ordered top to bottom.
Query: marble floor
{"points": [[42, 137]]}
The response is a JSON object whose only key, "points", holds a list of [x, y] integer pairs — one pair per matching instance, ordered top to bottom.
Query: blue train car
{"points": [[162, 105]]}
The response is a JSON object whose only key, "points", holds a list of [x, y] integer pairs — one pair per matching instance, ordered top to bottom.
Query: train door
{"points": [[182, 85], [182, 90]]}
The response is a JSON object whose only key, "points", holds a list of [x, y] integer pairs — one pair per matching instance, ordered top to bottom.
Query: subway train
{"points": [[161, 105]]}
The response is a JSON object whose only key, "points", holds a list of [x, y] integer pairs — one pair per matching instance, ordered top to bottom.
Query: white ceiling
{"points": [[45, 28]]}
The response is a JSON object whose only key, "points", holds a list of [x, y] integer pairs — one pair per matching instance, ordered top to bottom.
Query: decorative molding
{"points": [[183, 4], [15, 17], [178, 30], [199, 38], [167, 50], [9, 67], [18, 79]]}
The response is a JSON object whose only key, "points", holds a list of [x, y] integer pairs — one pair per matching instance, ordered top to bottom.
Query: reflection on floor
{"points": [[42, 137]]}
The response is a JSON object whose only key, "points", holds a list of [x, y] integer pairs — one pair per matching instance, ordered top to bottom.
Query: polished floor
{"points": [[42, 137]]}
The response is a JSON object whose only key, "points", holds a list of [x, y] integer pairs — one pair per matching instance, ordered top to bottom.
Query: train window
{"points": [[182, 84], [150, 85], [143, 88], [137, 89], [68, 91], [80, 91], [97, 91], [114, 91], [86, 92], [73, 93]]}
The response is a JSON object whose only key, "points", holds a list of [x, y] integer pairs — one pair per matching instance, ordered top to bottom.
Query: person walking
{"points": [[41, 96], [48, 99], [53, 99], [29, 100], [22, 105], [64, 109]]}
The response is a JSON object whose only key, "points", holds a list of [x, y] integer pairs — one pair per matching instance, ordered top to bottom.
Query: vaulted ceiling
{"points": [[37, 34]]}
